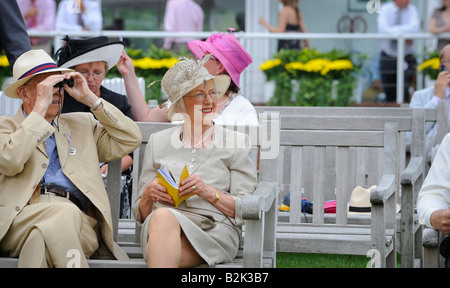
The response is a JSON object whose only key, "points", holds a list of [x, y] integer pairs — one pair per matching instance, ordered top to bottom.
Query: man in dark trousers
{"points": [[397, 16]]}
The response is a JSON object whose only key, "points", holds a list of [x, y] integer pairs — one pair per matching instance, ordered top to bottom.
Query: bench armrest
{"points": [[414, 170], [113, 190], [383, 191], [260, 201], [259, 212], [430, 237]]}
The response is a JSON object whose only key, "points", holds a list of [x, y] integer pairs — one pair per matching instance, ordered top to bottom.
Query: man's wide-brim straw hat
{"points": [[81, 51], [28, 65], [186, 75], [360, 201]]}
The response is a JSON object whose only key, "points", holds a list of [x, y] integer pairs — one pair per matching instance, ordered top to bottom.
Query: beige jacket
{"points": [[23, 160]]}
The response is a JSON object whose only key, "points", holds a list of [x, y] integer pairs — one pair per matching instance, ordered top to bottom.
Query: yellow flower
{"points": [[4, 61], [150, 63], [432, 63], [269, 64], [317, 65], [320, 65], [337, 65], [295, 66]]}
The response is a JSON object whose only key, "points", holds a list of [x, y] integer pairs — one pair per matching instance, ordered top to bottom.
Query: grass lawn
{"points": [[294, 260]]}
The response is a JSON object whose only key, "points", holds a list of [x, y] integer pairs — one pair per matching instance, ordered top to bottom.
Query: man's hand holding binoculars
{"points": [[80, 90]]}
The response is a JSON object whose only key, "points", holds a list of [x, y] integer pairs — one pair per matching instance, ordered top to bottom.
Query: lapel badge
{"points": [[72, 150]]}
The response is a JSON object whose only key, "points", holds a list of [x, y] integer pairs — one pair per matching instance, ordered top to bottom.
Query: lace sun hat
{"points": [[186, 75]]}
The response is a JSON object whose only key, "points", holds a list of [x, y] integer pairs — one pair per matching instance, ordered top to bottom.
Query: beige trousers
{"points": [[51, 233]]}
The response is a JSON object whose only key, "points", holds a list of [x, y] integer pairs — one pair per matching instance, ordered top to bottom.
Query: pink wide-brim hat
{"points": [[226, 48]]}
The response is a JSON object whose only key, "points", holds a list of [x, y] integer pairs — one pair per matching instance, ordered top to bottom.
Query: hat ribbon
{"points": [[38, 69], [359, 209]]}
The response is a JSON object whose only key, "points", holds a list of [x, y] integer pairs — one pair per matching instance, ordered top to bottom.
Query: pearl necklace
{"points": [[201, 142]]}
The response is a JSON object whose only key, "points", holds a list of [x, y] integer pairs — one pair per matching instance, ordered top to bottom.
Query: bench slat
{"points": [[332, 138]]}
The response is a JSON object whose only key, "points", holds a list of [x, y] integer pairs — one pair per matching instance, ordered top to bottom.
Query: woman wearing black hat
{"points": [[92, 58]]}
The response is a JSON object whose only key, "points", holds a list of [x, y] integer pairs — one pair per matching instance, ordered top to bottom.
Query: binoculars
{"points": [[69, 82]]}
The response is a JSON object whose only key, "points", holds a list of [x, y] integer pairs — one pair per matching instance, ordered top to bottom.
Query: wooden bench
{"points": [[438, 115], [321, 164], [370, 164], [259, 209], [408, 228]]}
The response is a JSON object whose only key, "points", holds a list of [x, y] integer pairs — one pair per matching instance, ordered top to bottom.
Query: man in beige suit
{"points": [[53, 204]]}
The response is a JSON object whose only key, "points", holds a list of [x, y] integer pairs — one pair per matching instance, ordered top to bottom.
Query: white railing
{"points": [[58, 35], [245, 37], [118, 85], [9, 106]]}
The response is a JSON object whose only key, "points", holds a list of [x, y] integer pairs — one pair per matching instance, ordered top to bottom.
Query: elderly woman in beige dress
{"points": [[205, 228]]}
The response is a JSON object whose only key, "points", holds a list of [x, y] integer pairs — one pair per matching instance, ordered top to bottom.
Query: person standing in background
{"points": [[39, 15], [79, 15], [182, 15], [398, 16], [290, 20], [440, 23], [13, 33]]}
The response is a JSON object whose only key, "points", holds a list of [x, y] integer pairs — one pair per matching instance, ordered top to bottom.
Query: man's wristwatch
{"points": [[96, 104]]}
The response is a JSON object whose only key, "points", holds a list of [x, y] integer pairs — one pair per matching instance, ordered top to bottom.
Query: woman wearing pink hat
{"points": [[228, 58]]}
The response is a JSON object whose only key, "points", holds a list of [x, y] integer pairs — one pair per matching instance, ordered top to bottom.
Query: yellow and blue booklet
{"points": [[165, 178]]}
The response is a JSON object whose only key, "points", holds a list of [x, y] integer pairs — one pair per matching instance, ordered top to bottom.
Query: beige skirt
{"points": [[215, 242]]}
